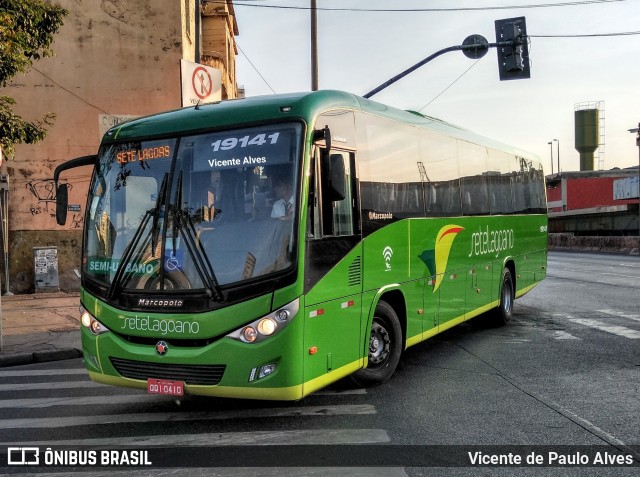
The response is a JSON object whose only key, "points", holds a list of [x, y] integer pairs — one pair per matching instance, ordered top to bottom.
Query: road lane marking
{"points": [[618, 275], [621, 314], [613, 329], [564, 336], [42, 372], [52, 386], [354, 391], [82, 401], [308, 411], [284, 438]]}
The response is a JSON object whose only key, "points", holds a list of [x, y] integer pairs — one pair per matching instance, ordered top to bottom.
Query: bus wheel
{"points": [[502, 315], [385, 347]]}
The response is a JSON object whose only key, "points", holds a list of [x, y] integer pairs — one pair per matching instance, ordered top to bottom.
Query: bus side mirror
{"points": [[323, 134], [333, 172], [62, 201]]}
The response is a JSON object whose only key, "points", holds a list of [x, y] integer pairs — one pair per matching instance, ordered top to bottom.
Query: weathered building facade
{"points": [[114, 60], [594, 203]]}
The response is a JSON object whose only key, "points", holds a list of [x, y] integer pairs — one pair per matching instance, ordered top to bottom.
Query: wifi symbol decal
{"points": [[387, 253]]}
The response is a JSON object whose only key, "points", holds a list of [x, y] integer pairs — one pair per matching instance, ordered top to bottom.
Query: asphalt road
{"points": [[564, 372]]}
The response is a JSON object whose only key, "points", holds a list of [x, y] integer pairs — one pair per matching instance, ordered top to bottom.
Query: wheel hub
{"points": [[378, 344]]}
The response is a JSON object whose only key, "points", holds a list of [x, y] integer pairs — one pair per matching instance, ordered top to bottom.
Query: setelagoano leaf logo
{"points": [[436, 259]]}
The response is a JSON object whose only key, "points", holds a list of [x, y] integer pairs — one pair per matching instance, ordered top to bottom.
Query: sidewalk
{"points": [[40, 327]]}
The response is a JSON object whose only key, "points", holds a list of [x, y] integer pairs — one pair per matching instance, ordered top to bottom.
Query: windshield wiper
{"points": [[160, 203], [182, 222], [128, 251]]}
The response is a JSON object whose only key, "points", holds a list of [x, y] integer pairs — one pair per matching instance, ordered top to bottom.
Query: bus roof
{"points": [[307, 105]]}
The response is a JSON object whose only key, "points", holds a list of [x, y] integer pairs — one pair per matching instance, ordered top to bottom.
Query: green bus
{"points": [[266, 247]]}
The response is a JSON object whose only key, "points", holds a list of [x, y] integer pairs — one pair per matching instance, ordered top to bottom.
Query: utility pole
{"points": [[314, 46], [558, 141]]}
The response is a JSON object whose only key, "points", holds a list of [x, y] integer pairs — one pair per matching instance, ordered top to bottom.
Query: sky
{"points": [[358, 50]]}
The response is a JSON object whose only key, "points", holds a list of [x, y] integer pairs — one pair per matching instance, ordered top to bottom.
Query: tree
{"points": [[26, 32]]}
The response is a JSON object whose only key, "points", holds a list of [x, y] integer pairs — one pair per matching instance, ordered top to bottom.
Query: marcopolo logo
{"points": [[160, 302]]}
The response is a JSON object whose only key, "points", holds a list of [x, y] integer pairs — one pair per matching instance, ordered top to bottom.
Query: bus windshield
{"points": [[194, 212]]}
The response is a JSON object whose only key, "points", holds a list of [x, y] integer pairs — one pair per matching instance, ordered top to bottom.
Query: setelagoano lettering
{"points": [[488, 241], [154, 325]]}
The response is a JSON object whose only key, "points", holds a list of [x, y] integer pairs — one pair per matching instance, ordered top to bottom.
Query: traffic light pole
{"points": [[476, 50]]}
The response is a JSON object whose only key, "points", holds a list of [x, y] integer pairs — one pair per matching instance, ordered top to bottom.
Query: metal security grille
{"points": [[205, 375]]}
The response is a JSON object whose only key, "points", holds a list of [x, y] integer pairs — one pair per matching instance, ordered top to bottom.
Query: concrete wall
{"points": [[622, 245]]}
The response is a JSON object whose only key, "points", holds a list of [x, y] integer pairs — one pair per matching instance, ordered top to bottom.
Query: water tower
{"points": [[589, 133]]}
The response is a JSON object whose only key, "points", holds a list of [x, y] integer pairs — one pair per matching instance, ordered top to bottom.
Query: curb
{"points": [[21, 359]]}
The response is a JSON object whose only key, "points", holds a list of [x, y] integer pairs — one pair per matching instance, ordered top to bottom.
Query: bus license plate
{"points": [[163, 386]]}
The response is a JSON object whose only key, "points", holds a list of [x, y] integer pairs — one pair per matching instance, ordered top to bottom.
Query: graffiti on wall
{"points": [[44, 191]]}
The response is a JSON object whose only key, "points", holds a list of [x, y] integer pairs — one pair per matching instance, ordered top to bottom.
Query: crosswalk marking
{"points": [[622, 314], [614, 329], [617, 330], [564, 336], [43, 372], [91, 384], [51, 385], [98, 400], [79, 401], [306, 411], [67, 430], [294, 437]]}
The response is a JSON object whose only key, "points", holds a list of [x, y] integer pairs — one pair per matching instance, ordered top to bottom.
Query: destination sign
{"points": [[262, 146], [143, 151], [145, 154]]}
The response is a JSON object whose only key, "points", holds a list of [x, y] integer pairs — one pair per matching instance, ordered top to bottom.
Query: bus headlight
{"points": [[90, 322], [267, 326]]}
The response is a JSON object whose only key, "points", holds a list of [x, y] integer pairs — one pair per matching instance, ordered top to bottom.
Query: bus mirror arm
{"points": [[323, 134], [62, 190]]}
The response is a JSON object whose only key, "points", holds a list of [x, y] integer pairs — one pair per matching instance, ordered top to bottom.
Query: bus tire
{"points": [[502, 315], [385, 347]]}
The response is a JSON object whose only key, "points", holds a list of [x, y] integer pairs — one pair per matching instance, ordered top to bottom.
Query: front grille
{"points": [[201, 374]]}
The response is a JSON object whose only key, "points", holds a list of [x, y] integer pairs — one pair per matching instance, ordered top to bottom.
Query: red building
{"points": [[594, 202]]}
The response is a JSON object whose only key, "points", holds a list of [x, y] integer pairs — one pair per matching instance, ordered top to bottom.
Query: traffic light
{"points": [[513, 60]]}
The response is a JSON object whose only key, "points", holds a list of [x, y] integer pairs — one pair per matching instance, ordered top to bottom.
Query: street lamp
{"points": [[558, 141], [551, 150]]}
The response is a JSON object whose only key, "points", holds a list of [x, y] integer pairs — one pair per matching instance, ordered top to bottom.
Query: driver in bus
{"points": [[283, 207]]}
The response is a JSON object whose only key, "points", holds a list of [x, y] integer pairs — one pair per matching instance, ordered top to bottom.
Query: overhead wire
{"points": [[414, 10], [588, 35], [255, 68], [450, 85], [68, 90]]}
